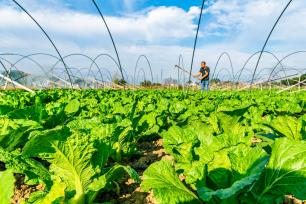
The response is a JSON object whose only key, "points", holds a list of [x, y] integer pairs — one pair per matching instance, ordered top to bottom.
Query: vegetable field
{"points": [[167, 147]]}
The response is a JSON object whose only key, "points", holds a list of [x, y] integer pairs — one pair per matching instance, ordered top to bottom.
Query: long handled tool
{"points": [[184, 70]]}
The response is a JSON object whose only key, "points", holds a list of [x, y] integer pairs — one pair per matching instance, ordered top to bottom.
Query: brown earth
{"points": [[23, 191], [131, 193], [292, 200]]}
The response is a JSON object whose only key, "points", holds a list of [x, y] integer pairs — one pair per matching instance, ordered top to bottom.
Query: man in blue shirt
{"points": [[203, 76]]}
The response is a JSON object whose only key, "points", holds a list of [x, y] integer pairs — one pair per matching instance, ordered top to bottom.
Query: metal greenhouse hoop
{"points": [[45, 33], [110, 35], [196, 39], [264, 46], [78, 54], [103, 55], [287, 56], [28, 58], [247, 61], [38, 64], [149, 64], [181, 64], [231, 64], [6, 71], [143, 73], [9, 79]]}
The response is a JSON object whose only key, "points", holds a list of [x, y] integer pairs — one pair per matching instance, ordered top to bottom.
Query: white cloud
{"points": [[252, 20], [152, 26]]}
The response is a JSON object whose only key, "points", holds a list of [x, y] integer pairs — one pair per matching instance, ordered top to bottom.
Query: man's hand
{"points": [[200, 78]]}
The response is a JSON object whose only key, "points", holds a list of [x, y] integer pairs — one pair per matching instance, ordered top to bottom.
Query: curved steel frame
{"points": [[45, 33], [110, 35], [196, 39], [77, 54], [105, 55], [289, 55], [25, 57], [29, 57], [259, 58], [58, 60], [230, 60], [34, 61], [247, 61], [93, 62], [38, 64], [149, 64], [181, 64], [11, 65], [223, 69], [78, 70], [6, 71], [298, 71], [143, 72], [109, 74], [257, 76], [9, 79]]}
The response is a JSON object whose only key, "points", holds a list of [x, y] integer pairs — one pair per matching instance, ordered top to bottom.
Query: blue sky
{"points": [[116, 7], [160, 29]]}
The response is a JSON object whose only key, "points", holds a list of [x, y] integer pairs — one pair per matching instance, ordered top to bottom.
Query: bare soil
{"points": [[23, 191], [131, 193], [289, 199]]}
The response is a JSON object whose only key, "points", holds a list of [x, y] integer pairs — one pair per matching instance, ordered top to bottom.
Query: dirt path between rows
{"points": [[131, 193]]}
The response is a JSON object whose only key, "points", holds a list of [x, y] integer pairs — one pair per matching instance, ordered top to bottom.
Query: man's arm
{"points": [[196, 75], [205, 75]]}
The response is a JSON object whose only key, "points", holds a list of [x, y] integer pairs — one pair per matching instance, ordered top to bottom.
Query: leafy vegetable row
{"points": [[229, 147]]}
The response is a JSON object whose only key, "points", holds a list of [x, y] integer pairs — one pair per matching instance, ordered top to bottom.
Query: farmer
{"points": [[203, 76]]}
